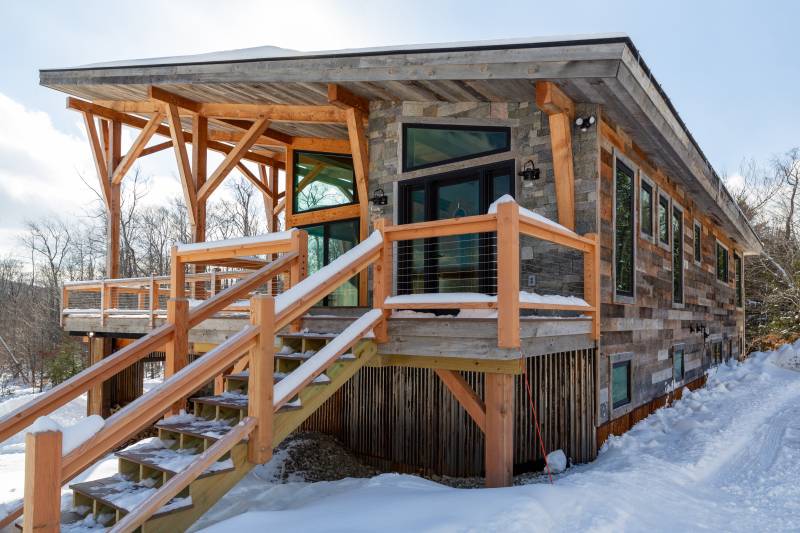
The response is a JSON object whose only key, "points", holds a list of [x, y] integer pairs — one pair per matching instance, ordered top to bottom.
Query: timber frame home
{"points": [[449, 229]]}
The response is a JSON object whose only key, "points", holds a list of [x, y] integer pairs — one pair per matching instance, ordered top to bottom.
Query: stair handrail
{"points": [[26, 414]]}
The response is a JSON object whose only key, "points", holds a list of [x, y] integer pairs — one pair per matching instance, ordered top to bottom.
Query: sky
{"points": [[731, 69]]}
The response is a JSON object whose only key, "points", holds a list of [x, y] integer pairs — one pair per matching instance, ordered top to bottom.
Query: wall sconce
{"points": [[584, 123], [529, 171], [379, 198]]}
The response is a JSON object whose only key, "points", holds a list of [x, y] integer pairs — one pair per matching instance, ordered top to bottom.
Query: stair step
{"points": [[308, 335], [304, 356], [322, 379], [232, 400], [196, 426], [157, 455], [121, 493]]}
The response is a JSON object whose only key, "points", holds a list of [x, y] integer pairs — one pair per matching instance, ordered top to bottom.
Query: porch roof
{"points": [[606, 69]]}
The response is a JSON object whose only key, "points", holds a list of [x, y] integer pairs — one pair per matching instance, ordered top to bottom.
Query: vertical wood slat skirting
{"points": [[406, 419]]}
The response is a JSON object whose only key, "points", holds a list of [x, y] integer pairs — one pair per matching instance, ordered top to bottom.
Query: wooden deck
{"points": [[438, 337]]}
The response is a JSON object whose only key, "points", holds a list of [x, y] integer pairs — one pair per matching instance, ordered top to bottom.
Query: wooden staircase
{"points": [[146, 466]]}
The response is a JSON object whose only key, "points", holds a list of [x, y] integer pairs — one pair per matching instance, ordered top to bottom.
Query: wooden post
{"points": [[560, 112], [113, 148], [199, 173], [299, 269], [508, 275], [382, 283], [591, 283], [105, 297], [153, 301], [64, 304], [177, 349], [260, 379], [94, 400], [499, 444], [42, 507]]}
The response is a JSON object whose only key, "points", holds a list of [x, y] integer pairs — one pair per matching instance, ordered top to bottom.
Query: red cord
{"points": [[536, 419]]}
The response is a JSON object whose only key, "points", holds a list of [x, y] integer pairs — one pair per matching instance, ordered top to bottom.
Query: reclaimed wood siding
{"points": [[651, 325], [405, 419]]}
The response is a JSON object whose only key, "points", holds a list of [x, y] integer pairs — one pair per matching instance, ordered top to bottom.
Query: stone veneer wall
{"points": [[545, 268]]}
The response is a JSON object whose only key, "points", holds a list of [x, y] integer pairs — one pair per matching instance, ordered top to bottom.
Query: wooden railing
{"points": [[508, 224], [268, 316]]}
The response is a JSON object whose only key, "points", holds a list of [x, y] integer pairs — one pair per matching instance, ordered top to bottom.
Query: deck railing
{"points": [[495, 243]]}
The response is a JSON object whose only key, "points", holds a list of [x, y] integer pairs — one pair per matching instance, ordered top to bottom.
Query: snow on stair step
{"points": [[304, 356], [242, 376], [235, 400], [196, 426], [158, 455], [124, 494]]}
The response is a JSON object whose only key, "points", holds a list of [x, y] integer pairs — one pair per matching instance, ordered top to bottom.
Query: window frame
{"points": [[441, 126], [643, 178], [295, 193], [677, 207], [668, 244], [720, 244], [698, 260], [738, 279], [624, 298], [325, 302], [682, 348], [626, 361]]}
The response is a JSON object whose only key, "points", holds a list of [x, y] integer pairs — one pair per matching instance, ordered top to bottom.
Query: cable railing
{"points": [[474, 263]]}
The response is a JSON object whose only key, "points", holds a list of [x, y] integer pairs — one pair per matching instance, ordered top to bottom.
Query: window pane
{"points": [[431, 145], [323, 180], [501, 185], [646, 206], [663, 219], [624, 230], [343, 236], [698, 246], [457, 256], [677, 256], [737, 261], [722, 263], [677, 364], [620, 384]]}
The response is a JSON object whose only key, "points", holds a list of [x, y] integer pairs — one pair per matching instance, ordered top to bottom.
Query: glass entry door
{"points": [[326, 242], [460, 263]]}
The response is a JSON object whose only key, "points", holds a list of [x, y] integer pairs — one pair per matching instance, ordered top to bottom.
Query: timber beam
{"points": [[345, 99], [560, 112], [163, 130]]}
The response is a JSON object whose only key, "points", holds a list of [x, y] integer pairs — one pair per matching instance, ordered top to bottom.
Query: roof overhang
{"points": [[606, 70]]}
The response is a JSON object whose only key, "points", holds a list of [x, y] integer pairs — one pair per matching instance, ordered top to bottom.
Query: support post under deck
{"points": [[499, 448]]}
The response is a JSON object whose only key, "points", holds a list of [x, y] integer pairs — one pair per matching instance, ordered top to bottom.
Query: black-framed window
{"points": [[428, 145], [322, 180], [646, 201], [663, 219], [623, 230], [326, 242], [698, 243], [677, 255], [459, 263], [722, 263], [737, 263], [716, 351], [678, 368], [621, 383]]}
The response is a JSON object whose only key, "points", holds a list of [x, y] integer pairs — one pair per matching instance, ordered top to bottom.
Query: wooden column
{"points": [[560, 111], [112, 137], [358, 148], [199, 173], [299, 269], [508, 275], [382, 283], [591, 283], [99, 347], [177, 350], [261, 379], [499, 447], [42, 507]]}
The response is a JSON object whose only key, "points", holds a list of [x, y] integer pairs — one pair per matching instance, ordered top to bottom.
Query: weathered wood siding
{"points": [[651, 324], [405, 419]]}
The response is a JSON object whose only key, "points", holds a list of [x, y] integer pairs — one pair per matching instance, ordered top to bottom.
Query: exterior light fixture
{"points": [[584, 123], [529, 171], [379, 198]]}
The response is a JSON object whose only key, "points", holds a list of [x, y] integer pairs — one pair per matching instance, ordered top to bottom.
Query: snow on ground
{"points": [[12, 451], [724, 458]]}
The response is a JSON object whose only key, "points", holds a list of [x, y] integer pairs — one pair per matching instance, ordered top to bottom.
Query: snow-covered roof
{"points": [[268, 52]]}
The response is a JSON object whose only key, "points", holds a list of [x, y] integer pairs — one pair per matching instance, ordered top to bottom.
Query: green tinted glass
{"points": [[425, 146], [323, 180], [623, 252], [677, 364], [620, 383]]}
